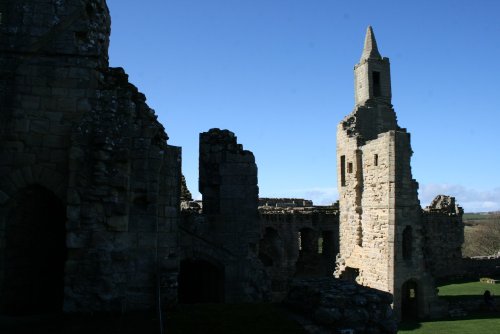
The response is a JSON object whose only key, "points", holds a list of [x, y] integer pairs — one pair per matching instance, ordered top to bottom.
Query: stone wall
{"points": [[77, 130], [226, 234], [444, 236], [297, 242], [481, 266], [327, 305]]}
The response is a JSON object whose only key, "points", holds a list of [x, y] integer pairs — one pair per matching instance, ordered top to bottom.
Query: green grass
{"points": [[468, 289], [230, 318], [482, 322], [483, 325]]}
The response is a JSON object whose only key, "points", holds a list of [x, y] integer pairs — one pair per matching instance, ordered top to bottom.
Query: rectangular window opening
{"points": [[376, 83], [375, 159], [349, 167], [342, 171], [320, 245]]}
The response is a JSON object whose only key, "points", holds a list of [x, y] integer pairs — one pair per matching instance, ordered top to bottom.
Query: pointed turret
{"points": [[370, 50], [372, 74]]}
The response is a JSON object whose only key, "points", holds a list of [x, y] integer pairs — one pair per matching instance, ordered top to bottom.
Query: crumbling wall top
{"points": [[217, 140], [285, 202], [443, 204]]}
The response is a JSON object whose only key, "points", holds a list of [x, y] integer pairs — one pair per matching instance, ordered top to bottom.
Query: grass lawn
{"points": [[468, 289], [481, 323], [461, 326]]}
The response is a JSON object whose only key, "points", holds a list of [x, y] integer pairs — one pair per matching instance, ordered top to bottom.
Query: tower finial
{"points": [[370, 50]]}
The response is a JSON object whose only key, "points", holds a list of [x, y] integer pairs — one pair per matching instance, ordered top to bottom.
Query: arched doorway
{"points": [[271, 248], [35, 253], [200, 282], [409, 301]]}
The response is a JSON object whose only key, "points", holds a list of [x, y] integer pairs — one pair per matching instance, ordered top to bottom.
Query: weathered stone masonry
{"points": [[76, 134], [226, 235], [444, 236], [381, 237], [298, 240]]}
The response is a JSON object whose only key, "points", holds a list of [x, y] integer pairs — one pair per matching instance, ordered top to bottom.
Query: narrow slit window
{"points": [[376, 83], [375, 160], [349, 167], [342, 171], [407, 243]]}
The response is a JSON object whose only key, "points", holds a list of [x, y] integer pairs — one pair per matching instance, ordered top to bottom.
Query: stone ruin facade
{"points": [[89, 187], [95, 214], [444, 236], [219, 238], [298, 240], [387, 241], [256, 247]]}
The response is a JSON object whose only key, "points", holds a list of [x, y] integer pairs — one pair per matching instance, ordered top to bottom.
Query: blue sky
{"points": [[279, 74]]}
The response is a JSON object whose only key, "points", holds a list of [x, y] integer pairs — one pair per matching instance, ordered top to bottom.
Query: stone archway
{"points": [[271, 248], [34, 254], [200, 282], [409, 300]]}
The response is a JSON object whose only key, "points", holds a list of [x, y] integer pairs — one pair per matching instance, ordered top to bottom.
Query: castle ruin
{"points": [[89, 187], [95, 214]]}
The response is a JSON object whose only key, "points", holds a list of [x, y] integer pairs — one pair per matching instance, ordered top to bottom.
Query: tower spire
{"points": [[370, 50]]}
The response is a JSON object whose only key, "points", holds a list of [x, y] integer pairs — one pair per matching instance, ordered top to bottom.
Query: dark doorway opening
{"points": [[270, 248], [35, 254], [350, 274], [200, 282], [409, 301]]}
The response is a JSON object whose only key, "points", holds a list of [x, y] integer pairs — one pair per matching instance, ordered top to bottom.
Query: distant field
{"points": [[481, 216], [481, 234]]}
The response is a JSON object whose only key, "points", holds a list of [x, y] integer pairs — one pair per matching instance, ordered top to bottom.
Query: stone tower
{"points": [[89, 187], [380, 222]]}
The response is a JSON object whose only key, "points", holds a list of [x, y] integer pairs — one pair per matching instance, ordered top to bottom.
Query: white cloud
{"points": [[319, 196], [472, 200]]}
